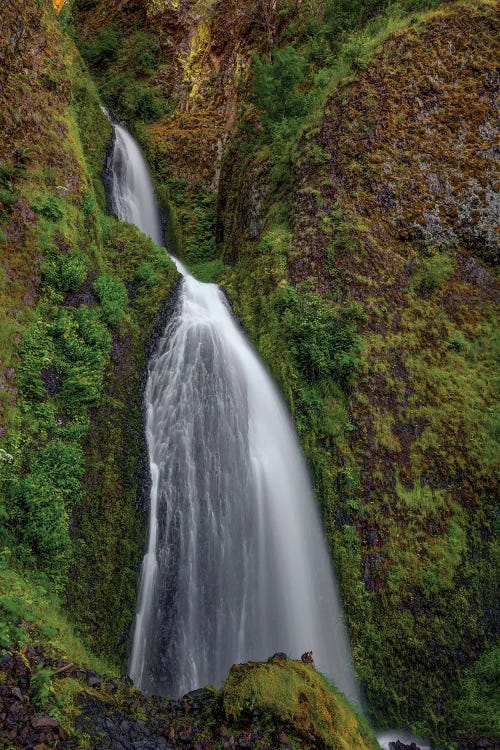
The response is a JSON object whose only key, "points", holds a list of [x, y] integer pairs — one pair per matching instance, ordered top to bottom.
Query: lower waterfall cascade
{"points": [[236, 566]]}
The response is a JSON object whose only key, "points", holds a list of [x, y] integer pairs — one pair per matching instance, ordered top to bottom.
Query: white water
{"points": [[237, 566], [386, 738]]}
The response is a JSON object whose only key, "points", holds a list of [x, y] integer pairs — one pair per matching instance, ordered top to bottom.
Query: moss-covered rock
{"points": [[295, 698]]}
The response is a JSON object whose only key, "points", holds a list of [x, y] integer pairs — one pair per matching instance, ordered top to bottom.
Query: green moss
{"points": [[293, 695], [477, 706]]}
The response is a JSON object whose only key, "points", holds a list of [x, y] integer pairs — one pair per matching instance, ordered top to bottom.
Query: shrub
{"points": [[104, 48], [145, 50], [275, 86], [131, 98], [148, 104], [50, 208], [201, 244], [435, 271], [66, 273], [146, 275], [113, 297], [322, 337], [43, 499], [46, 523], [11, 611], [42, 692]]}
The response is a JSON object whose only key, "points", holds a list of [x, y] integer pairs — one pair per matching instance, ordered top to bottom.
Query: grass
{"points": [[31, 613]]}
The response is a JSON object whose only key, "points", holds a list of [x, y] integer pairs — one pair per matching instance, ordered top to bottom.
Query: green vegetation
{"points": [[126, 69], [200, 246], [435, 270], [113, 297], [321, 338], [383, 347], [70, 423], [31, 613], [293, 695], [477, 708]]}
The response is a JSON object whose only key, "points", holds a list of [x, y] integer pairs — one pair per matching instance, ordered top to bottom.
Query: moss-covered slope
{"points": [[377, 217], [79, 295]]}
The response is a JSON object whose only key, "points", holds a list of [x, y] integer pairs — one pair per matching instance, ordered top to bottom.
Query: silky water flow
{"points": [[236, 566]]}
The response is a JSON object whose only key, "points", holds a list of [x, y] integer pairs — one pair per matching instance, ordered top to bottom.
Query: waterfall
{"points": [[237, 566]]}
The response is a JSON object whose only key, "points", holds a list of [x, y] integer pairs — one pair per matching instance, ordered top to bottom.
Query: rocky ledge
{"points": [[46, 702]]}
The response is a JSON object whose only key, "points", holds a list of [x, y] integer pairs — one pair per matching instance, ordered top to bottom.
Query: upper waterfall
{"points": [[237, 566]]}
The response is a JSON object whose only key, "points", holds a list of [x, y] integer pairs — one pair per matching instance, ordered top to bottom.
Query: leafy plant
{"points": [[104, 48], [145, 49], [276, 86], [50, 208], [66, 273], [113, 297], [322, 337], [42, 693]]}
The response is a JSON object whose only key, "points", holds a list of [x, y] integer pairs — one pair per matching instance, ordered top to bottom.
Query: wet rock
{"points": [[386, 198], [51, 381], [279, 656], [307, 657], [6, 662], [112, 686], [16, 693], [15, 714], [44, 722], [284, 741], [480, 743], [398, 745]]}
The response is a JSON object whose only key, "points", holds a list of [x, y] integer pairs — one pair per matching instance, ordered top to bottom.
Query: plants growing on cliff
{"points": [[104, 48], [124, 69], [275, 86], [50, 208], [200, 245], [434, 271], [65, 273], [113, 297], [322, 337], [41, 504], [476, 707]]}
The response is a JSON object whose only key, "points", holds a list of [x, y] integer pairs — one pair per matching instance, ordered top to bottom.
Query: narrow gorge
{"points": [[249, 365], [236, 566]]}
